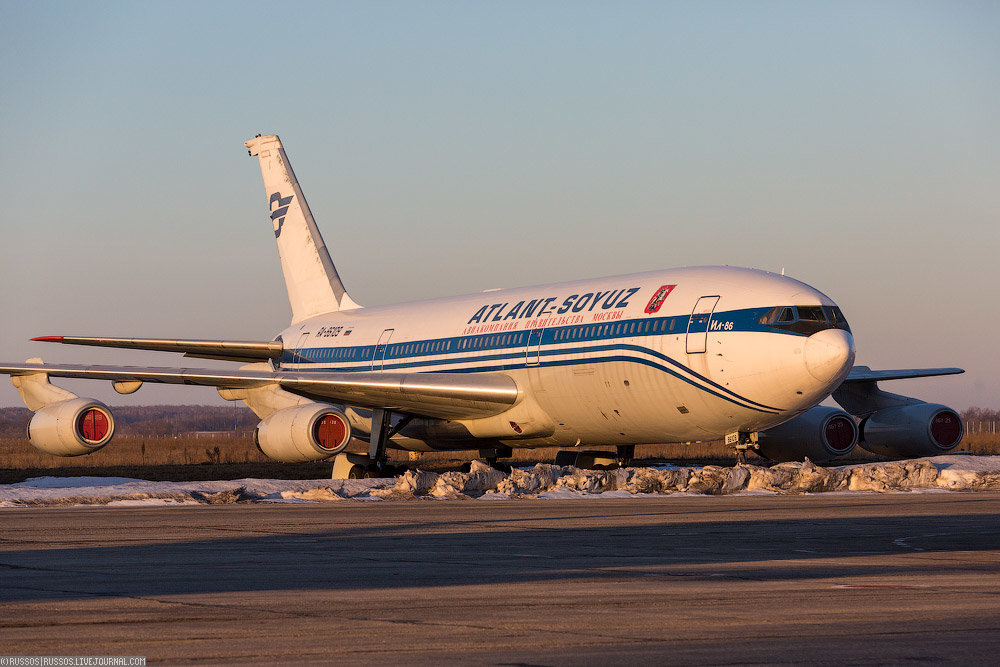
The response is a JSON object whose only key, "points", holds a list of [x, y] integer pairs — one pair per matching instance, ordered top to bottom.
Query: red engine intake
{"points": [[71, 428], [911, 431], [304, 433], [820, 434]]}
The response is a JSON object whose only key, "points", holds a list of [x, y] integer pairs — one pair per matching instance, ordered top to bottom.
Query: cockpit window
{"points": [[811, 313], [834, 315], [805, 320]]}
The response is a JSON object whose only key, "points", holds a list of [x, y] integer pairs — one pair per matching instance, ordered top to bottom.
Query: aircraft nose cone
{"points": [[829, 354]]}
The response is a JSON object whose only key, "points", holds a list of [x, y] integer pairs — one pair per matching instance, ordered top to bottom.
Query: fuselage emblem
{"points": [[278, 214], [661, 295]]}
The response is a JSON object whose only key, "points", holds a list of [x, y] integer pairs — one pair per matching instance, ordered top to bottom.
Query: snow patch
{"points": [[938, 474]]}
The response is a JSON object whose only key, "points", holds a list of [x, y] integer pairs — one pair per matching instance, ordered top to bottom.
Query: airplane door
{"points": [[697, 333], [299, 346], [531, 350], [378, 357]]}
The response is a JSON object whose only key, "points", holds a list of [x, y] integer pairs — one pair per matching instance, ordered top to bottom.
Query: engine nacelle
{"points": [[71, 428], [910, 431], [304, 433], [821, 434]]}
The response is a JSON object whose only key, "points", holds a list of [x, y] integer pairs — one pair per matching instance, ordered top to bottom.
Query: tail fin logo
{"points": [[278, 214]]}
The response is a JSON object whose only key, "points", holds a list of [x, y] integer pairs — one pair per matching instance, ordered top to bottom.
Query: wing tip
{"points": [[49, 339]]}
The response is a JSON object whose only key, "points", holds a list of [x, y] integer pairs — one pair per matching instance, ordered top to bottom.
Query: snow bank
{"points": [[950, 473], [47, 491]]}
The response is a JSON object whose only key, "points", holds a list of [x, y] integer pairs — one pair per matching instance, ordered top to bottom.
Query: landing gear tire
{"points": [[357, 472]]}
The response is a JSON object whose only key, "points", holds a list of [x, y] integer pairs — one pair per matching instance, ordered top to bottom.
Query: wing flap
{"points": [[439, 395]]}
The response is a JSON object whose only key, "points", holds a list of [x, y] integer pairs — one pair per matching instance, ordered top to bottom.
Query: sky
{"points": [[451, 147]]}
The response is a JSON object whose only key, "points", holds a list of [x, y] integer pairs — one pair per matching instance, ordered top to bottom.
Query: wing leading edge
{"points": [[226, 350], [865, 374], [439, 395]]}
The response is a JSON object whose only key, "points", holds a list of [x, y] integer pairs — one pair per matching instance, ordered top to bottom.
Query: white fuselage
{"points": [[666, 356]]}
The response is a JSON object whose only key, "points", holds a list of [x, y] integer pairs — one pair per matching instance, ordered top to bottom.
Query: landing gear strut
{"points": [[381, 424], [358, 466]]}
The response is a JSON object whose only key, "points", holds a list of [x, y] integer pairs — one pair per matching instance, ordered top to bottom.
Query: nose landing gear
{"points": [[741, 441]]}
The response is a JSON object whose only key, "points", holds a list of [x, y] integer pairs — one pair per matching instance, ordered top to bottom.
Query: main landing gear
{"points": [[499, 452], [626, 453], [596, 460], [359, 466]]}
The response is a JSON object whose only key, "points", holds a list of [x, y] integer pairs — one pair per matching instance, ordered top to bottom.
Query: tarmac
{"points": [[824, 579]]}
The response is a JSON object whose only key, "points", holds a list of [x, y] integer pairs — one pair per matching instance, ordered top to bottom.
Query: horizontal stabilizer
{"points": [[227, 350], [865, 374], [439, 395]]}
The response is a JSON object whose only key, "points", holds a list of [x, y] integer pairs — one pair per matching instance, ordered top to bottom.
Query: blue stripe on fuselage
{"points": [[511, 346]]}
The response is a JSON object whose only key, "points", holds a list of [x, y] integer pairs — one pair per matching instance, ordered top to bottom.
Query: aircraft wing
{"points": [[227, 350], [865, 374], [440, 395]]}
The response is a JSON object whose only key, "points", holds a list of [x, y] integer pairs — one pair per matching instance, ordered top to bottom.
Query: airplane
{"points": [[682, 355]]}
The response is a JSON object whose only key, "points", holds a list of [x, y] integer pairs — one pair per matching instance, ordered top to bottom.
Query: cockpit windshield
{"points": [[805, 319]]}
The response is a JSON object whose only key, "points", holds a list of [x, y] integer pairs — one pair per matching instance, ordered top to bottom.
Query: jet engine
{"points": [[72, 427], [909, 431], [309, 432], [821, 433]]}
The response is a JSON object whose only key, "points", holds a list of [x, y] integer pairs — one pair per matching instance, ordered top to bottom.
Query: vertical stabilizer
{"points": [[313, 285]]}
